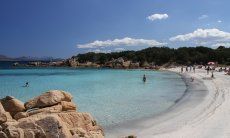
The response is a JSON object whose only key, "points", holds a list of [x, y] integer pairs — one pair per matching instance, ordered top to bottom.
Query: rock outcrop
{"points": [[72, 62], [118, 63], [47, 99], [12, 105], [50, 115], [4, 116]]}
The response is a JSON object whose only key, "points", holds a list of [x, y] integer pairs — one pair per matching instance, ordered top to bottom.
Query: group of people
{"points": [[188, 68], [212, 69], [220, 69], [225, 69]]}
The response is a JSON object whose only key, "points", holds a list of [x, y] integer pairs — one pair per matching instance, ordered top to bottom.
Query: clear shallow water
{"points": [[111, 96]]}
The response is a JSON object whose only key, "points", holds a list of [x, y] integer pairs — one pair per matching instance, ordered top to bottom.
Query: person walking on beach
{"points": [[186, 68], [194, 68], [208, 69], [181, 70], [212, 76], [144, 78]]}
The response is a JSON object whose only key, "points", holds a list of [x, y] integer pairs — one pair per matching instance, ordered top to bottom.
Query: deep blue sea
{"points": [[111, 96]]}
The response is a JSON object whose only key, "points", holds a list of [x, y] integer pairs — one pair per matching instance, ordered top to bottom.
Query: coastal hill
{"points": [[162, 55], [151, 58]]}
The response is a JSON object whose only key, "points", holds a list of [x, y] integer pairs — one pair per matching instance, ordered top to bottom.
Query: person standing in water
{"points": [[181, 70], [144, 78]]}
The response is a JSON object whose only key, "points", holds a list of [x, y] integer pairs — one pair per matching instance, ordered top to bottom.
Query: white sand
{"points": [[204, 112], [209, 119]]}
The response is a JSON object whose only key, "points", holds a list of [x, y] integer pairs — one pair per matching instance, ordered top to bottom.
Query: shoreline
{"points": [[202, 111], [185, 113]]}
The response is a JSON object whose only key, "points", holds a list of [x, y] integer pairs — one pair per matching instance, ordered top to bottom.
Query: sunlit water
{"points": [[111, 96]]}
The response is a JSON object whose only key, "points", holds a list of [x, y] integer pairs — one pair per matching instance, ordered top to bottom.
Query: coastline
{"points": [[202, 111], [185, 118]]}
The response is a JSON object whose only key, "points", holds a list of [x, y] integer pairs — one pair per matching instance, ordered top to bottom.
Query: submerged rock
{"points": [[50, 115]]}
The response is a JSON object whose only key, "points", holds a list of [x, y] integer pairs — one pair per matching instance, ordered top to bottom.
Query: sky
{"points": [[61, 28]]}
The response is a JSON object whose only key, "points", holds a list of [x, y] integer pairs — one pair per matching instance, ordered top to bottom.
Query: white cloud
{"points": [[157, 17], [203, 17], [219, 21], [204, 35], [121, 42], [221, 44], [119, 49], [100, 51], [106, 51]]}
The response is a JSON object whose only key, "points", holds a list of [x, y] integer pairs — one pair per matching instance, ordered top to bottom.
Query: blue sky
{"points": [[61, 28]]}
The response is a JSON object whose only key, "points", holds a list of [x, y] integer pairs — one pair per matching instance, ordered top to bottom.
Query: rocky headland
{"points": [[119, 63], [50, 115]]}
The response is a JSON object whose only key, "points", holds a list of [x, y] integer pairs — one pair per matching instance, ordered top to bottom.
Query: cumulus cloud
{"points": [[157, 17], [203, 17], [204, 35], [121, 42]]}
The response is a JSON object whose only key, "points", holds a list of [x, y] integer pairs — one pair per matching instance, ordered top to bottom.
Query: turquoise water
{"points": [[111, 96]]}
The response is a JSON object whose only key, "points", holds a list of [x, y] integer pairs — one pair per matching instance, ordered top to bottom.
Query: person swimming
{"points": [[144, 78], [27, 84]]}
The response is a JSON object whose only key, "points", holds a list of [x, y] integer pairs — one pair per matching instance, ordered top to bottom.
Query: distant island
{"points": [[5, 58], [24, 58], [150, 58]]}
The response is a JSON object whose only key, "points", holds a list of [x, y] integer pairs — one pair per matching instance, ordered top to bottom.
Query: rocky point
{"points": [[50, 115]]}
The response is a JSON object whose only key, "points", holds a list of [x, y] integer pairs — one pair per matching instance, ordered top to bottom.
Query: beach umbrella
{"points": [[211, 63]]}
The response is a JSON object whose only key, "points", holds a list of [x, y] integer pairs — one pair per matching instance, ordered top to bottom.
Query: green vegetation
{"points": [[163, 55]]}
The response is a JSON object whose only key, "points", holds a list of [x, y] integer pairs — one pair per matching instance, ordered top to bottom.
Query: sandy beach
{"points": [[203, 112]]}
